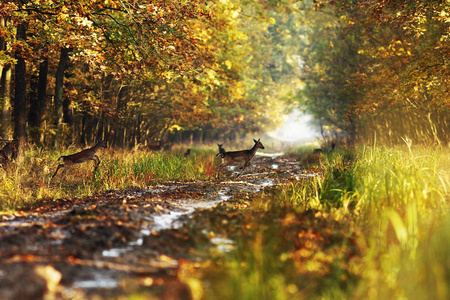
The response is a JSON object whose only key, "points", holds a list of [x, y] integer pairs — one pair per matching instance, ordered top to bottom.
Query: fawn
{"points": [[221, 149], [7, 151], [247, 155], [80, 157]]}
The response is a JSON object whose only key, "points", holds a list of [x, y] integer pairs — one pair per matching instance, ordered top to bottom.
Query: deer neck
{"points": [[97, 146], [253, 150]]}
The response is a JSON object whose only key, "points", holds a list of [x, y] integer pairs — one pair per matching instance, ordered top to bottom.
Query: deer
{"points": [[221, 149], [8, 151], [317, 151], [231, 156], [80, 157]]}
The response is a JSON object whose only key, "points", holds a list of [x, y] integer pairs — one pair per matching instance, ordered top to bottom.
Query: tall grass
{"points": [[28, 182], [399, 199], [403, 201], [391, 205]]}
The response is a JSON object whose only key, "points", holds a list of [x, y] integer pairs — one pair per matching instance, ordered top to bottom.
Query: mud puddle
{"points": [[96, 245]]}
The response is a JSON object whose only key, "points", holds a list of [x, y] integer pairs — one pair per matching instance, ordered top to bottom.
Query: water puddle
{"points": [[272, 155], [303, 176], [267, 182], [184, 207], [171, 220], [13, 221], [222, 245], [98, 280]]}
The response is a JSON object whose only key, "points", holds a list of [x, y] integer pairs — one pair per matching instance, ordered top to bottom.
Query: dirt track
{"points": [[121, 242]]}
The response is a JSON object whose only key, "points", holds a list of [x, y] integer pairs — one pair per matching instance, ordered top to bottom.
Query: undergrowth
{"points": [[28, 181], [373, 225]]}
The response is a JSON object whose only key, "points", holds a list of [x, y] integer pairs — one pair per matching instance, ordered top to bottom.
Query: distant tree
{"points": [[20, 94]]}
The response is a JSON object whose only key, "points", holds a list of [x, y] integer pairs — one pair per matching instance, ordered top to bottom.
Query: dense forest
{"points": [[154, 72], [118, 221]]}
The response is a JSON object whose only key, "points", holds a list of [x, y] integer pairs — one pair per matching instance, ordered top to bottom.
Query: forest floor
{"points": [[134, 241]]}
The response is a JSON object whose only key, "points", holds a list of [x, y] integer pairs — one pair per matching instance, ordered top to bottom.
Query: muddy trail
{"points": [[121, 242]]}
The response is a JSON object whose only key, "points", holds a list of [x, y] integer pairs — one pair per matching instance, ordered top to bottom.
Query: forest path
{"points": [[120, 242]]}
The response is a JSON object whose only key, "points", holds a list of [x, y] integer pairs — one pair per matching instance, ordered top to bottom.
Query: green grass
{"points": [[27, 182], [403, 199], [375, 225]]}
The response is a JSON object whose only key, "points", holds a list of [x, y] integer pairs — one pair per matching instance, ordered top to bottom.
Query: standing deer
{"points": [[221, 149], [7, 152], [247, 155], [80, 157]]}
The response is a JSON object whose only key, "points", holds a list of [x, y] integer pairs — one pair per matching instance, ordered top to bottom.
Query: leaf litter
{"points": [[137, 240]]}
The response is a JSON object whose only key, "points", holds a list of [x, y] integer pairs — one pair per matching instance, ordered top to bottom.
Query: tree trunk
{"points": [[59, 88], [5, 91], [42, 95], [20, 96], [38, 96], [5, 101], [33, 129]]}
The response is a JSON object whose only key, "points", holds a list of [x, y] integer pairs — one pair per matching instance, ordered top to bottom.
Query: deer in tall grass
{"points": [[221, 149], [8, 151], [231, 156], [80, 157]]}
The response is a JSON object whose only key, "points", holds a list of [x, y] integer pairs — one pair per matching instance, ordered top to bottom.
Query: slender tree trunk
{"points": [[59, 88], [5, 91], [42, 95], [20, 96], [38, 97], [5, 101], [33, 128]]}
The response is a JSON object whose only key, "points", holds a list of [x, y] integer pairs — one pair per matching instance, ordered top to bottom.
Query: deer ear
{"points": [[255, 141]]}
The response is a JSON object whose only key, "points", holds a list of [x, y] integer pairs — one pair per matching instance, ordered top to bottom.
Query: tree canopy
{"points": [[380, 68], [138, 70], [147, 71]]}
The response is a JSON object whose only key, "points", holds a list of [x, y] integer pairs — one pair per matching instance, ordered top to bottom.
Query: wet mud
{"points": [[129, 241]]}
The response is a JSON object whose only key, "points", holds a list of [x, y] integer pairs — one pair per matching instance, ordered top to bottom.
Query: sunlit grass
{"points": [[28, 181], [403, 199], [384, 212], [373, 224]]}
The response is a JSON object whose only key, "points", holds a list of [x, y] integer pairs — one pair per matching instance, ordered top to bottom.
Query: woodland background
{"points": [[163, 71]]}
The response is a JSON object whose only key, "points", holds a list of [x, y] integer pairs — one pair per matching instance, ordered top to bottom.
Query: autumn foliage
{"points": [[379, 69], [128, 71], [150, 72]]}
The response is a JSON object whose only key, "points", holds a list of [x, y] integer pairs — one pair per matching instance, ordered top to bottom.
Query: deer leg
{"points": [[97, 161], [223, 164], [243, 168], [57, 169], [218, 171], [63, 172]]}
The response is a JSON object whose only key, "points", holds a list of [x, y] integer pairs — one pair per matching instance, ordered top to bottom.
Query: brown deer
{"points": [[221, 149], [8, 151], [317, 151], [231, 156], [80, 157]]}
